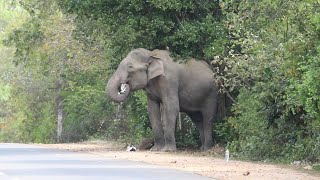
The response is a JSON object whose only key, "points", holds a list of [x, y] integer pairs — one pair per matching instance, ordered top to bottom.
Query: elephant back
{"points": [[198, 65]]}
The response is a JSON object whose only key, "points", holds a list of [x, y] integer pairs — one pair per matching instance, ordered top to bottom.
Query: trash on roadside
{"points": [[131, 148], [227, 155]]}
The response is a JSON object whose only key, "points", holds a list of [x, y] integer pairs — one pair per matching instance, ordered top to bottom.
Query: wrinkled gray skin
{"points": [[170, 87]]}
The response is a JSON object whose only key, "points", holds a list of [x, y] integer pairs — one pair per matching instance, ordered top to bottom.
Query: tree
{"points": [[187, 28], [272, 58], [48, 59]]}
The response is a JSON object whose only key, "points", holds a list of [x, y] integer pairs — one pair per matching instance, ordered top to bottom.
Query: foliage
{"points": [[187, 28], [274, 61], [49, 63], [87, 113], [138, 120], [187, 135]]}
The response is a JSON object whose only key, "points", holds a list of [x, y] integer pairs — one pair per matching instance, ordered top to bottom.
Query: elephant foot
{"points": [[156, 148], [169, 149]]}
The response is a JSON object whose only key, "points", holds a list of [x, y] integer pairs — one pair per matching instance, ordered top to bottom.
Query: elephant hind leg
{"points": [[209, 115], [198, 120], [207, 131]]}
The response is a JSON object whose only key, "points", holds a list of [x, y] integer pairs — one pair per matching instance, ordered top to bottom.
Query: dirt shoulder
{"points": [[199, 163]]}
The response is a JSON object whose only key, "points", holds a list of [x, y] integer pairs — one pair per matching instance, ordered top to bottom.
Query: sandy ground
{"points": [[206, 164]]}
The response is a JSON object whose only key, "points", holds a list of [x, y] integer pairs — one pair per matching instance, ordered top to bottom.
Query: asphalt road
{"points": [[22, 161]]}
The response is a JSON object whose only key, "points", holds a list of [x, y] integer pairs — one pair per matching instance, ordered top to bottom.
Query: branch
{"points": [[226, 91]]}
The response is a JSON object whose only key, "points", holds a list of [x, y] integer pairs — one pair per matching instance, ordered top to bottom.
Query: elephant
{"points": [[171, 88]]}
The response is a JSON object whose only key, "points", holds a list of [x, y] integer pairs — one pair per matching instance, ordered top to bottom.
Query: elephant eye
{"points": [[130, 67]]}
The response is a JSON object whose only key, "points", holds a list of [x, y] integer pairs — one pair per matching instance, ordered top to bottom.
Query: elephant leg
{"points": [[170, 110], [209, 113], [155, 120], [198, 120], [207, 131]]}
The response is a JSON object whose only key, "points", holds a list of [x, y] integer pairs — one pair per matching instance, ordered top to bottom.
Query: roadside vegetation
{"points": [[56, 56]]}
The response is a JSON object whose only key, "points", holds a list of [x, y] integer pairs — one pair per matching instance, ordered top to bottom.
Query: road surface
{"points": [[24, 162]]}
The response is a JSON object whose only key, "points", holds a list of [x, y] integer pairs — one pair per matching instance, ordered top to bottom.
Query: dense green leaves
{"points": [[188, 28], [274, 61]]}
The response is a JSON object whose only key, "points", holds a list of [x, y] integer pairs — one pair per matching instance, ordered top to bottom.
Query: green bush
{"points": [[187, 137], [281, 139]]}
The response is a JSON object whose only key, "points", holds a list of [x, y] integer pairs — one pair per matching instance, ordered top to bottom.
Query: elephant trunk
{"points": [[113, 89]]}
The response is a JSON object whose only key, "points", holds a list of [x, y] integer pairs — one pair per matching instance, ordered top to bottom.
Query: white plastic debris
{"points": [[131, 148], [227, 155]]}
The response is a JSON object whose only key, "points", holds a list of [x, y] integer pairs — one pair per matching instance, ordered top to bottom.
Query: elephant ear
{"points": [[155, 66]]}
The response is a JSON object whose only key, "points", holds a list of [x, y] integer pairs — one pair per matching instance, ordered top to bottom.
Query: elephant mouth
{"points": [[123, 88]]}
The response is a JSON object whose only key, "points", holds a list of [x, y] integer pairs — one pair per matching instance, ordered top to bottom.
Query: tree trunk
{"points": [[59, 102], [221, 110], [60, 118]]}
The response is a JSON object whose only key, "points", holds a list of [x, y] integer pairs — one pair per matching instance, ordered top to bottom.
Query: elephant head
{"points": [[134, 72]]}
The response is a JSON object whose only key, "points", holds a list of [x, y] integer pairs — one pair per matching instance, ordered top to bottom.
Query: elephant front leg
{"points": [[169, 113], [155, 120]]}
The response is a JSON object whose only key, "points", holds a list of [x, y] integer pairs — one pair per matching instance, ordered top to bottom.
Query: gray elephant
{"points": [[170, 87]]}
